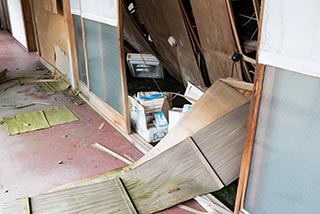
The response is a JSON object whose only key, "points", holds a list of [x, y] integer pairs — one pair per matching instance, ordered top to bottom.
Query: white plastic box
{"points": [[144, 66]]}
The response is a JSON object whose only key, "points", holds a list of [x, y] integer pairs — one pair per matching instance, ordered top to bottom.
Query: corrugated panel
{"points": [[80, 49], [104, 63], [284, 175]]}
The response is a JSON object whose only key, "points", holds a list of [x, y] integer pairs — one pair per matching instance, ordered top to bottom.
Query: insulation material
{"points": [[104, 11], [17, 22], [290, 36]]}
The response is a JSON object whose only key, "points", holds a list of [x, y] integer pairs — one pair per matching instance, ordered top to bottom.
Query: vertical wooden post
{"points": [[126, 112]]}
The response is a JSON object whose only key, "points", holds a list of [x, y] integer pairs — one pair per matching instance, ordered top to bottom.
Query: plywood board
{"points": [[163, 19], [216, 37], [218, 100], [222, 144], [101, 198]]}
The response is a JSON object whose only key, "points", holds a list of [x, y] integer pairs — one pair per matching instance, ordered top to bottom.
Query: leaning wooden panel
{"points": [[163, 19], [216, 37], [218, 100], [222, 148], [180, 173], [174, 176], [101, 198]]}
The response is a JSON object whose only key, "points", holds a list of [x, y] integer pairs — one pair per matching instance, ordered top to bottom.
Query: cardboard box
{"points": [[193, 93], [143, 118]]}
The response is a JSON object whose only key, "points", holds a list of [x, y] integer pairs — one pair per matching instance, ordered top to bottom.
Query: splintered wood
{"points": [[202, 163]]}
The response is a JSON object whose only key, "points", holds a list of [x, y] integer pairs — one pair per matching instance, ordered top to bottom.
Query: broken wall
{"points": [[53, 35]]}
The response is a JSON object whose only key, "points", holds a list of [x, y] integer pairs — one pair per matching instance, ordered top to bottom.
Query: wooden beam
{"points": [[72, 42], [238, 84]]}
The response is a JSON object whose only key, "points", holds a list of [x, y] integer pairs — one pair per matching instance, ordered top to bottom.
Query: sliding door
{"points": [[101, 77]]}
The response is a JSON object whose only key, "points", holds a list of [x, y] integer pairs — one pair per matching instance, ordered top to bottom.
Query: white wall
{"points": [[104, 11], [17, 21], [290, 36]]}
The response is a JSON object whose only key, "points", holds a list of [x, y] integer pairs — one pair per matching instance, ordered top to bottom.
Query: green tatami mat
{"points": [[60, 115], [32, 121]]}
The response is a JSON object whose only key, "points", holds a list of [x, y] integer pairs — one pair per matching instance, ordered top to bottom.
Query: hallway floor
{"points": [[36, 162]]}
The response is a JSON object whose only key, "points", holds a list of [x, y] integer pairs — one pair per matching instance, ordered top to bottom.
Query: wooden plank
{"points": [[163, 19], [216, 37], [123, 74], [238, 84], [217, 101], [225, 150], [112, 153], [178, 174], [172, 177], [125, 196], [98, 198], [19, 206]]}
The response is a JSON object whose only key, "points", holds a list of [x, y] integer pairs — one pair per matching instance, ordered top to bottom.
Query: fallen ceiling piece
{"points": [[218, 100], [37, 120], [203, 163]]}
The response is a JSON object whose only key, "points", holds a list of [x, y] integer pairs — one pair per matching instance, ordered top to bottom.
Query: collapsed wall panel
{"points": [[163, 19], [216, 38]]}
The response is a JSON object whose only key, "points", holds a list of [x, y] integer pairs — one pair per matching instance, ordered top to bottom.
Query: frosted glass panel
{"points": [[80, 49], [104, 63], [285, 171]]}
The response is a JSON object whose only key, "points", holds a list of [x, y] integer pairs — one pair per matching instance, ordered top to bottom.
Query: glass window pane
{"points": [[104, 63], [285, 173]]}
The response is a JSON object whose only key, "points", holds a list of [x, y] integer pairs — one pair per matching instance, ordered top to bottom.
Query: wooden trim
{"points": [[256, 7], [35, 29], [84, 40], [72, 43], [125, 101], [251, 129], [205, 162], [125, 196], [26, 205]]}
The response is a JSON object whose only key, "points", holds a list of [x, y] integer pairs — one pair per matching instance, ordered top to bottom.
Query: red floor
{"points": [[29, 163]]}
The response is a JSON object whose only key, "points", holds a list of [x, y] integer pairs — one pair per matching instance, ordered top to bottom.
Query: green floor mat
{"points": [[60, 115], [37, 120], [27, 122]]}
